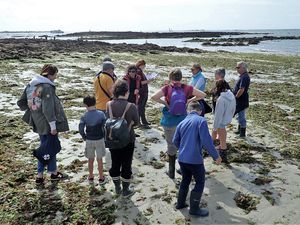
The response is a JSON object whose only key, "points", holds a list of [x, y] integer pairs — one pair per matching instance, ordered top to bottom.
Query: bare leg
{"points": [[214, 134], [222, 135], [91, 168], [100, 168]]}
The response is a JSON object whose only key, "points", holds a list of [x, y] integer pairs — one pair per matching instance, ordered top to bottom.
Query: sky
{"points": [[150, 15]]}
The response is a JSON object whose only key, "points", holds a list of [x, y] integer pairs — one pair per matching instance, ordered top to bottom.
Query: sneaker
{"points": [[145, 126], [58, 176], [39, 180], [91, 180], [103, 181]]}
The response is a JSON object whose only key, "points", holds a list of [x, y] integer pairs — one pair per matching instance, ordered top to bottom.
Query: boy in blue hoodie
{"points": [[91, 129], [190, 137]]}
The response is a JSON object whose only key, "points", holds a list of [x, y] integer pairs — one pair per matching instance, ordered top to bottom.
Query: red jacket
{"points": [[137, 84]]}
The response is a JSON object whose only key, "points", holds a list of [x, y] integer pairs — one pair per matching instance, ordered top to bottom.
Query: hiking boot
{"points": [[238, 130], [243, 132], [171, 172], [58, 176], [39, 180], [118, 188], [127, 192], [181, 199], [194, 205]]}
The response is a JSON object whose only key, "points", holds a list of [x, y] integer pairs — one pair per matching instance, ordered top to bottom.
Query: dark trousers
{"points": [[142, 108], [121, 160], [195, 170]]}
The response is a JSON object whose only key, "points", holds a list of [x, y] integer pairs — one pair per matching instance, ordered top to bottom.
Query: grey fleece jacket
{"points": [[225, 108]]}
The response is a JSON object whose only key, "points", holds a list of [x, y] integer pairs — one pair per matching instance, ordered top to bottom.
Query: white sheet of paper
{"points": [[151, 76]]}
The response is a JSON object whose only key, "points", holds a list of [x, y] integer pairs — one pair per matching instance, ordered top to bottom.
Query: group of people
{"points": [[183, 120]]}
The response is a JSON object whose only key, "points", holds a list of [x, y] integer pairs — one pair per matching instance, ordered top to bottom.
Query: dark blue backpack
{"points": [[48, 149]]}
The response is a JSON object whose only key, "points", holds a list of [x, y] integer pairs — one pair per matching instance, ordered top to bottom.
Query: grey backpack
{"points": [[117, 131]]}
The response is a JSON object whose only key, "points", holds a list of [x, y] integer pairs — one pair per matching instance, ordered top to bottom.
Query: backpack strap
{"points": [[105, 92], [110, 110], [125, 111]]}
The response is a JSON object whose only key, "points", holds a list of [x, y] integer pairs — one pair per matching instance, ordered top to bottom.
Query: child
{"points": [[91, 129], [190, 136]]}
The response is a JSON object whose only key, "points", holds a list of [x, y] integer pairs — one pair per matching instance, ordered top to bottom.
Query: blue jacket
{"points": [[198, 81], [91, 125], [190, 137]]}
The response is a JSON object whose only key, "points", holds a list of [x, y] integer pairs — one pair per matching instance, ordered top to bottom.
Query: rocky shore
{"points": [[107, 35], [243, 41], [39, 48]]}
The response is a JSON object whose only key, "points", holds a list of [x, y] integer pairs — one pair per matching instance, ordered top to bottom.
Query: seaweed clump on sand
{"points": [[241, 153], [262, 180], [246, 202]]}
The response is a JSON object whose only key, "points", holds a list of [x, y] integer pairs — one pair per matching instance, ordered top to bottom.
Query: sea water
{"points": [[287, 47]]}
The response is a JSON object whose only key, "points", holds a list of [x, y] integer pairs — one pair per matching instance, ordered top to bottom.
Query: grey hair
{"points": [[106, 59], [243, 64], [107, 65], [197, 66], [221, 72], [194, 106]]}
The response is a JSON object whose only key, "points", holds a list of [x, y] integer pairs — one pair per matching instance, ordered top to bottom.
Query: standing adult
{"points": [[141, 65], [219, 75], [198, 80], [134, 83], [103, 84], [242, 97], [224, 111], [45, 114], [169, 121], [190, 137], [122, 158]]}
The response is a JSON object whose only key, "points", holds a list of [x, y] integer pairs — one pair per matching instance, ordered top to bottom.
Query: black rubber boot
{"points": [[238, 131], [243, 132], [223, 155], [179, 171], [171, 172], [118, 188], [127, 192], [181, 199], [194, 205]]}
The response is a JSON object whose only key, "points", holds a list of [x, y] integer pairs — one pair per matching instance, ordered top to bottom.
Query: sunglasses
{"points": [[237, 67], [131, 71]]}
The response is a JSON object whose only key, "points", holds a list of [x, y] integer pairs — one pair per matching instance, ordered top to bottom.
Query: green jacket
{"points": [[49, 107]]}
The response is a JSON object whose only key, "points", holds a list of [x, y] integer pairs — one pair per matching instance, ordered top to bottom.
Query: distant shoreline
{"points": [[115, 35]]}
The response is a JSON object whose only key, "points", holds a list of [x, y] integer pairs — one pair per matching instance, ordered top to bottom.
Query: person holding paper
{"points": [[141, 65]]}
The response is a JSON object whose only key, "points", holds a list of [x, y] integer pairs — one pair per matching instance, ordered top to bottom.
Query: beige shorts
{"points": [[92, 146]]}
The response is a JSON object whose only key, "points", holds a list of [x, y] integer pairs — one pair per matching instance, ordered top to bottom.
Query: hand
{"points": [[136, 91], [53, 132], [218, 161]]}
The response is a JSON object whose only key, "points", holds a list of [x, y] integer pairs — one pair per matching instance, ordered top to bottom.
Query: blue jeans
{"points": [[241, 118], [51, 167], [195, 170]]}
